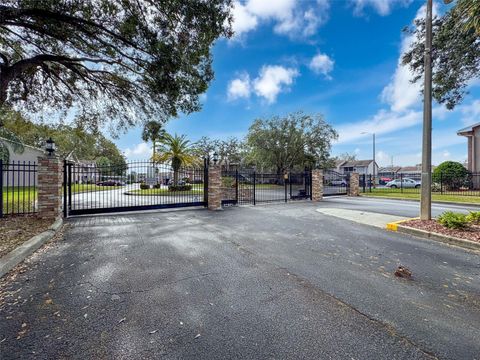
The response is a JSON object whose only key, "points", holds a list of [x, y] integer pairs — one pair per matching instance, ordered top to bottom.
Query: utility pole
{"points": [[374, 160], [426, 194]]}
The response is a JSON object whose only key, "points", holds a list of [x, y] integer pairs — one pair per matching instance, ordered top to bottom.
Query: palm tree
{"points": [[153, 131], [178, 151]]}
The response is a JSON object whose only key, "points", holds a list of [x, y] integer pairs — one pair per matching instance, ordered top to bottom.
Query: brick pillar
{"points": [[317, 185], [49, 187], [354, 189], [215, 191]]}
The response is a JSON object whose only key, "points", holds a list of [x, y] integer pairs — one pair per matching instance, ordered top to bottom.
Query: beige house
{"points": [[472, 133], [21, 169]]}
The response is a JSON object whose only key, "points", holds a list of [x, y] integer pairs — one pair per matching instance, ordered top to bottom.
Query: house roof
{"points": [[468, 129], [24, 145], [357, 163], [389, 169]]}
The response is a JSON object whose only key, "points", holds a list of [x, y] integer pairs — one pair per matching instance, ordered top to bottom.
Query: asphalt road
{"points": [[392, 207], [272, 281]]}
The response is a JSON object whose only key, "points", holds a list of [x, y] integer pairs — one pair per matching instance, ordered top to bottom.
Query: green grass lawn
{"points": [[79, 188], [197, 189], [414, 194], [19, 199]]}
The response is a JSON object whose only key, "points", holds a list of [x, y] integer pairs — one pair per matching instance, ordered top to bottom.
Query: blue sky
{"points": [[339, 58]]}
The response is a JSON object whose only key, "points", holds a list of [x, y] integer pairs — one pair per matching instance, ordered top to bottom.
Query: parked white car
{"points": [[403, 183]]}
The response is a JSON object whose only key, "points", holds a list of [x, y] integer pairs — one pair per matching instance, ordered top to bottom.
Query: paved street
{"points": [[393, 207], [272, 281]]}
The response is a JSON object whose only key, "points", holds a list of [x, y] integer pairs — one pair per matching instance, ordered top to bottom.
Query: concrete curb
{"points": [[475, 205], [450, 240], [16, 256]]}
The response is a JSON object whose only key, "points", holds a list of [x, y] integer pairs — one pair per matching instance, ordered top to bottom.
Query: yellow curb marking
{"points": [[393, 226]]}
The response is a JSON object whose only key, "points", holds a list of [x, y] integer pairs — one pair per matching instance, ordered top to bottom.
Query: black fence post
{"points": [[69, 175], [310, 178], [364, 179], [285, 180], [205, 181], [290, 182], [370, 182], [401, 182], [65, 184], [236, 186], [1, 188], [254, 195]]}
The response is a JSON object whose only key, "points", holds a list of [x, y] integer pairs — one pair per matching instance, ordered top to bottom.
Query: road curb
{"points": [[415, 200], [450, 240], [16, 256]]}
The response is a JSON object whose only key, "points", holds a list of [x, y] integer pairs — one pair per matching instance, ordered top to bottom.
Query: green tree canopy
{"points": [[455, 52], [123, 60], [153, 131], [290, 142], [85, 144], [451, 174]]}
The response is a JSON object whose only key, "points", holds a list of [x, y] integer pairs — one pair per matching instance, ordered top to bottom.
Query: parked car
{"points": [[342, 182], [110, 183], [403, 183]]}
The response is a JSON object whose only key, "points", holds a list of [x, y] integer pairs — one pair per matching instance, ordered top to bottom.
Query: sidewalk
{"points": [[362, 217]]}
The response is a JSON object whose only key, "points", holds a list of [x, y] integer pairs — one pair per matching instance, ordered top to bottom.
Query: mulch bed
{"points": [[16, 230], [471, 233]]}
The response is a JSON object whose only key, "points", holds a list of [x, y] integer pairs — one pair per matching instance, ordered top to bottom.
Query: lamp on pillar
{"points": [[50, 146]]}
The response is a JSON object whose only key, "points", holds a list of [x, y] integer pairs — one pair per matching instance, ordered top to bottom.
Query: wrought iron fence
{"points": [[444, 183], [18, 185], [137, 185], [247, 186]]}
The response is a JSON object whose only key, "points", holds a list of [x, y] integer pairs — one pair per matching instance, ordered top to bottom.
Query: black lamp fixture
{"points": [[50, 146], [215, 158]]}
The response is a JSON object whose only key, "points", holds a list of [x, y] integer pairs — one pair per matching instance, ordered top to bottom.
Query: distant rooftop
{"points": [[357, 163]]}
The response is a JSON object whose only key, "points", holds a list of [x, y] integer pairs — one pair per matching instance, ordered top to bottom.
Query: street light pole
{"points": [[426, 187]]}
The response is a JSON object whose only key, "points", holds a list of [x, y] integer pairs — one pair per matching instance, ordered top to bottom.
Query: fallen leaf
{"points": [[49, 301], [122, 320], [153, 331], [198, 335]]}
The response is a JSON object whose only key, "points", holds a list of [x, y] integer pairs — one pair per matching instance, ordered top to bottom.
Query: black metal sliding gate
{"points": [[335, 183], [246, 187], [91, 188]]}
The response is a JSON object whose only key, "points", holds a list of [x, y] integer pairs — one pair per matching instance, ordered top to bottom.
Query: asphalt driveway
{"points": [[274, 281]]}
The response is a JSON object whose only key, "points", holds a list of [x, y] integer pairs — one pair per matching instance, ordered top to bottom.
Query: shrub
{"points": [[451, 174], [228, 181], [144, 186], [157, 186], [180, 187], [474, 217], [453, 220]]}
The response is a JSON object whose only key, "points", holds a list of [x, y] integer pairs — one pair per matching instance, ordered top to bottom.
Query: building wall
{"points": [[476, 150], [19, 174]]}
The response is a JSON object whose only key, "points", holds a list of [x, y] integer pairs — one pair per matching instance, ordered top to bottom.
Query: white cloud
{"points": [[382, 7], [290, 17], [244, 21], [322, 64], [272, 80], [239, 87], [470, 113], [381, 123], [139, 150], [446, 154]]}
